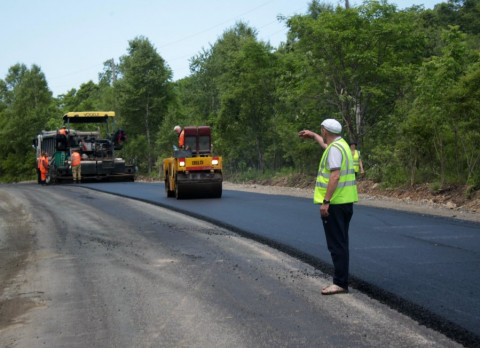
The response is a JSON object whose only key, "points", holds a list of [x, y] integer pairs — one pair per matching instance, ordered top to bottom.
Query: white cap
{"points": [[333, 126], [176, 127]]}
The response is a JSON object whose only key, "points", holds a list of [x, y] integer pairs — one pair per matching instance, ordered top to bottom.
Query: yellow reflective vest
{"points": [[356, 161], [346, 191]]}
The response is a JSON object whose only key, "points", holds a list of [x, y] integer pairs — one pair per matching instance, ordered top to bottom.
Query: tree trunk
{"points": [[147, 133], [438, 144], [457, 153], [261, 162], [413, 169]]}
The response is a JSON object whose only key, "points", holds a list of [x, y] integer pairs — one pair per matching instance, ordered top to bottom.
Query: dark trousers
{"points": [[336, 232]]}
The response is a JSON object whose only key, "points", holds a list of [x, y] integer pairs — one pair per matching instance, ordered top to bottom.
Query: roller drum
{"points": [[187, 189]]}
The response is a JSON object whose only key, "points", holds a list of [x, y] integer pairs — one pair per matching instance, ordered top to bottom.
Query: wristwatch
{"points": [[326, 202]]}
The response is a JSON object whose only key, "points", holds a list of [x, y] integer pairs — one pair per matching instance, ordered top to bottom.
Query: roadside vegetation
{"points": [[404, 83]]}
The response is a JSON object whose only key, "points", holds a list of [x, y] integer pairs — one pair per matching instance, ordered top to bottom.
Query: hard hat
{"points": [[333, 126], [176, 128]]}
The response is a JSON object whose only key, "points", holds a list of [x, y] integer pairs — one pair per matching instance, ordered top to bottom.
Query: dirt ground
{"points": [[450, 202]]}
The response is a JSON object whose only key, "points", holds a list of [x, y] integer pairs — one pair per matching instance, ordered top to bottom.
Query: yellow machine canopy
{"points": [[88, 116]]}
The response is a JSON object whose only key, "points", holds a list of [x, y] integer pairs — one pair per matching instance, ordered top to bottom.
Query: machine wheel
{"points": [[51, 176], [51, 179], [178, 191], [217, 191], [168, 192]]}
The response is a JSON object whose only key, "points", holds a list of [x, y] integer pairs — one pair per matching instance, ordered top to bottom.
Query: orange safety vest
{"points": [[63, 131], [181, 139], [76, 159], [43, 164]]}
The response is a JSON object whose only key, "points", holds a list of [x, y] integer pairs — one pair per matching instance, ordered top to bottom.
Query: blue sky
{"points": [[70, 40]]}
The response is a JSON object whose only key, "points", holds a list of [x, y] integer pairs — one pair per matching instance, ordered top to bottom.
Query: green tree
{"points": [[463, 13], [360, 59], [209, 66], [106, 80], [436, 80], [144, 91], [200, 92], [209, 95], [86, 98], [463, 100], [26, 106], [246, 120]]}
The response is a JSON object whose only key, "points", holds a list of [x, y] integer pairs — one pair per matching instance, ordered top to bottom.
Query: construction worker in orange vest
{"points": [[63, 131], [62, 135], [181, 136], [43, 164], [76, 167]]}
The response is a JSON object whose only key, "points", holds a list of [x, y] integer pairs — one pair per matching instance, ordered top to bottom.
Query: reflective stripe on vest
{"points": [[356, 161], [346, 191]]}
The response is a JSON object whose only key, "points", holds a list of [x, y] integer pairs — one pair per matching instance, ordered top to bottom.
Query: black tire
{"points": [[178, 191], [218, 192], [169, 193]]}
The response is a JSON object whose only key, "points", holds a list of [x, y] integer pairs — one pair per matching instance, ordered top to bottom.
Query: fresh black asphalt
{"points": [[425, 266]]}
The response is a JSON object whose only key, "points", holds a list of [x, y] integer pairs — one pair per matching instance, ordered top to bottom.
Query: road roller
{"points": [[193, 172]]}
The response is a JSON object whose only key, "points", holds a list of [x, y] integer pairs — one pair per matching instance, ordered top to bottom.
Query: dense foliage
{"points": [[405, 84]]}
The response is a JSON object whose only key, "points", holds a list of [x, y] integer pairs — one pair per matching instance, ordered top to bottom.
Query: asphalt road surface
{"points": [[425, 266], [81, 268]]}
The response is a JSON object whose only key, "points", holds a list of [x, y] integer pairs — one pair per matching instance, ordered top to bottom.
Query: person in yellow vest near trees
{"points": [[357, 160], [76, 167], [336, 191]]}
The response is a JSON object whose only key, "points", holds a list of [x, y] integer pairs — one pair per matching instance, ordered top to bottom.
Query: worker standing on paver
{"points": [[63, 131], [336, 191]]}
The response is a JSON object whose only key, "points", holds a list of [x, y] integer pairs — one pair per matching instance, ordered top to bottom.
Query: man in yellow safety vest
{"points": [[336, 191]]}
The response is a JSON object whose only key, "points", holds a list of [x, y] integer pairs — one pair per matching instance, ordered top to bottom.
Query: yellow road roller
{"points": [[193, 172]]}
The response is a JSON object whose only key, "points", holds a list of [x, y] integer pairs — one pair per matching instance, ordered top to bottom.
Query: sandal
{"points": [[333, 289]]}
